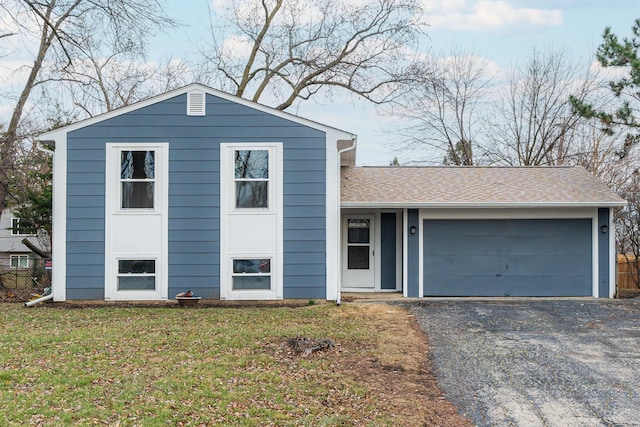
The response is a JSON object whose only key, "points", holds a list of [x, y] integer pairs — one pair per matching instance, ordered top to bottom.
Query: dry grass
{"points": [[129, 365]]}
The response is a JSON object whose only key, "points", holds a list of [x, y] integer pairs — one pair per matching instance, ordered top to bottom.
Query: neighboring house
{"points": [[203, 191], [13, 253]]}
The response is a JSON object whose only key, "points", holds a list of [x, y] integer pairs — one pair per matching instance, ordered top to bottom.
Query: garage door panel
{"points": [[448, 228], [555, 244], [472, 245], [507, 257], [474, 265], [522, 265], [450, 286], [541, 286]]}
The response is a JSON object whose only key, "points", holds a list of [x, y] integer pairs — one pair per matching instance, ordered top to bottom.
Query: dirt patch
{"points": [[398, 370]]}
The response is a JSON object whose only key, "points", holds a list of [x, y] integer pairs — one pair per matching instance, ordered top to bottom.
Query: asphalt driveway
{"points": [[537, 362]]}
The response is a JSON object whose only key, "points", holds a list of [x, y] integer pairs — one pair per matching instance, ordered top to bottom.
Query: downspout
{"points": [[354, 141], [41, 148], [48, 294]]}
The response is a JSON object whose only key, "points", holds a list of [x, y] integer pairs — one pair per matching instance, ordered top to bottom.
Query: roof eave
{"points": [[493, 205]]}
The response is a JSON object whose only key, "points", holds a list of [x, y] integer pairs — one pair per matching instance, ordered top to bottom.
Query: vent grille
{"points": [[196, 103]]}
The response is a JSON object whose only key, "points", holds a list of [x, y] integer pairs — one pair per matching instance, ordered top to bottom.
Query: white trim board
{"points": [[59, 222], [239, 228], [136, 233]]}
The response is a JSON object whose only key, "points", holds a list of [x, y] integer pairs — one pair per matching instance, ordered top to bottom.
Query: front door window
{"points": [[358, 240]]}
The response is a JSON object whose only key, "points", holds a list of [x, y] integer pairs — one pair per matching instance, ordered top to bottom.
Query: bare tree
{"points": [[58, 30], [283, 51], [108, 75], [104, 83], [442, 108], [534, 123]]}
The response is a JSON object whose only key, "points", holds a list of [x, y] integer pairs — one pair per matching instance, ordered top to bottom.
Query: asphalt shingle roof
{"points": [[473, 186]]}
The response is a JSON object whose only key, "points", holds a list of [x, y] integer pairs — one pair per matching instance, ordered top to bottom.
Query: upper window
{"points": [[251, 176], [137, 179], [19, 228]]}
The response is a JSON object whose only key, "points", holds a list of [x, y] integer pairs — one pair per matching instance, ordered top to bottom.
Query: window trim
{"points": [[228, 170], [237, 180], [122, 181], [113, 182], [237, 226], [15, 229], [114, 247], [18, 259], [154, 274], [258, 274]]}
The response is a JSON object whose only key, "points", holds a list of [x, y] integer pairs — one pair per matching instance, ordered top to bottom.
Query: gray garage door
{"points": [[507, 257]]}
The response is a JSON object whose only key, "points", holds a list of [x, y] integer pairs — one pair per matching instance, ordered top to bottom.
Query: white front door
{"points": [[358, 262]]}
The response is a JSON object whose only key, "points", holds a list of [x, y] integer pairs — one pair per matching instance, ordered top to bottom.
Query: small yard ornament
{"points": [[187, 299]]}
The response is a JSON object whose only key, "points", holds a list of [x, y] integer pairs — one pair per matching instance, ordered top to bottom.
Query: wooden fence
{"points": [[628, 272]]}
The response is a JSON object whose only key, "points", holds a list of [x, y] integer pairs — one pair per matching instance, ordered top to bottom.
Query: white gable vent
{"points": [[196, 103]]}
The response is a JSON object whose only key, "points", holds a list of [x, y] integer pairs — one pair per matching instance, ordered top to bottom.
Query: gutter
{"points": [[354, 140], [41, 148], [495, 205]]}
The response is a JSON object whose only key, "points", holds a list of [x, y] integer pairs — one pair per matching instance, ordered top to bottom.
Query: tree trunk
{"points": [[35, 249]]}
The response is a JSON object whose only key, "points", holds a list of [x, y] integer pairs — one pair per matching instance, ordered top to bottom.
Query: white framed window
{"points": [[137, 179], [251, 179], [251, 220], [136, 221], [20, 228], [19, 261], [251, 274], [136, 275]]}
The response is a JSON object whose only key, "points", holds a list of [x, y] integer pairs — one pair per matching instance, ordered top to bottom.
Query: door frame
{"points": [[376, 214], [372, 270]]}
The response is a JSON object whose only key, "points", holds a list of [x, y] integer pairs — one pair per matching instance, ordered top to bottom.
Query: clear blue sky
{"points": [[503, 31]]}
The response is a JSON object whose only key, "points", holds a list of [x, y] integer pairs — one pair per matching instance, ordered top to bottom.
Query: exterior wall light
{"points": [[604, 228], [413, 229]]}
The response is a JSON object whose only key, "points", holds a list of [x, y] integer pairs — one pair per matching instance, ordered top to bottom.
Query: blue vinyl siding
{"points": [[194, 193], [85, 221], [388, 251], [603, 253], [413, 255]]}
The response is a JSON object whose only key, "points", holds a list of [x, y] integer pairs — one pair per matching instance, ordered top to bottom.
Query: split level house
{"points": [[199, 190]]}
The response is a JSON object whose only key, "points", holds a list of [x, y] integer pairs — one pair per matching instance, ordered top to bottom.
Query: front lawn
{"points": [[153, 366]]}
